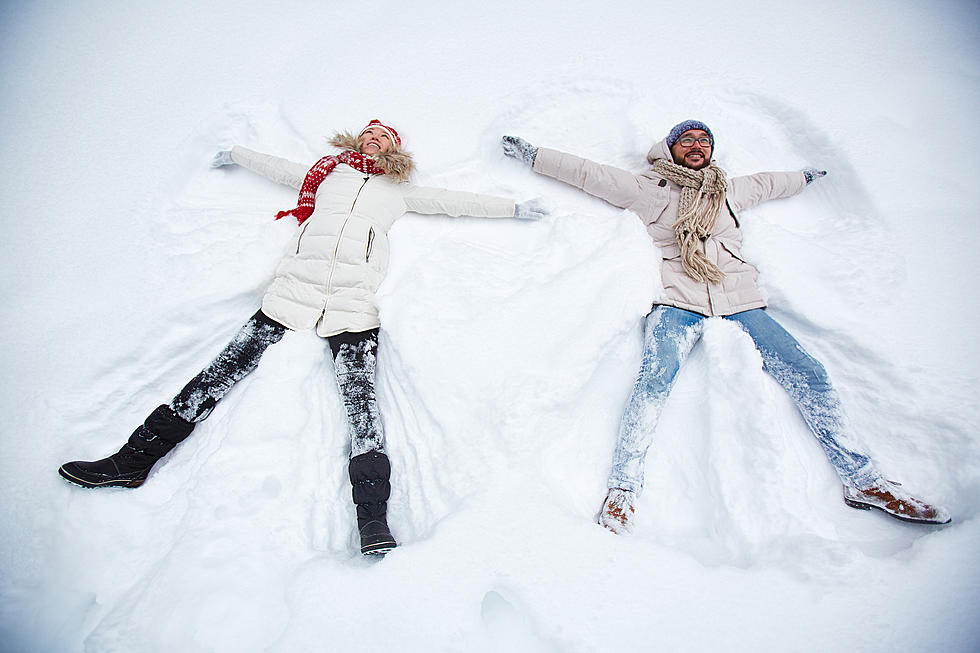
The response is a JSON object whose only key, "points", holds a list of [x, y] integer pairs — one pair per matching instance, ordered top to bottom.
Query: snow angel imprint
{"points": [[688, 206], [327, 282]]}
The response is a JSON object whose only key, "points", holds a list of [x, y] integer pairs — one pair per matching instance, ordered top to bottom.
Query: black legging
{"points": [[354, 355], [355, 363]]}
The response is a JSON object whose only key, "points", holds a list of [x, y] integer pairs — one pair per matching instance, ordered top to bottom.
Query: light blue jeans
{"points": [[669, 337]]}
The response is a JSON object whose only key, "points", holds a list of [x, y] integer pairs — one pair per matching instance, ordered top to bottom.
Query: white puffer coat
{"points": [[657, 202], [339, 256]]}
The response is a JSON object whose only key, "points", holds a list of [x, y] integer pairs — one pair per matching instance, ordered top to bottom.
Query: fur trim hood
{"points": [[396, 162]]}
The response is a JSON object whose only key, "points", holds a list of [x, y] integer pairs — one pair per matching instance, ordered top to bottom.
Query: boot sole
{"points": [[81, 482], [868, 506], [379, 548]]}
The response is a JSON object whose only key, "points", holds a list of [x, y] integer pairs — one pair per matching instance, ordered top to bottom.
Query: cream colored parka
{"points": [[656, 201], [339, 255]]}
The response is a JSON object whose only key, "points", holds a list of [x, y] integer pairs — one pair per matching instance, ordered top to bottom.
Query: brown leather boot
{"points": [[891, 499], [617, 511]]}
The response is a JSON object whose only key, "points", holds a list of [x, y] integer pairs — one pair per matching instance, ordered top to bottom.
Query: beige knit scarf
{"points": [[702, 198]]}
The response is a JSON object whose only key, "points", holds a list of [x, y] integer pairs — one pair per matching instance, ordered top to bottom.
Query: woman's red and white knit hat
{"points": [[391, 131]]}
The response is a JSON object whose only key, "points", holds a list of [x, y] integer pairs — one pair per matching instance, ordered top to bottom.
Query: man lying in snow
{"points": [[689, 208], [327, 281]]}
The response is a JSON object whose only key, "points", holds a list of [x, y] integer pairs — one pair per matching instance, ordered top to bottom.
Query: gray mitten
{"points": [[519, 149], [222, 158], [812, 173], [530, 210]]}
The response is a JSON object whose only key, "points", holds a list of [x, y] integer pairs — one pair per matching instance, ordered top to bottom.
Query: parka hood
{"points": [[660, 151], [396, 162]]}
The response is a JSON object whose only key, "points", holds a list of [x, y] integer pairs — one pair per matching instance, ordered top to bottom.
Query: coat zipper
{"points": [[340, 238], [707, 284]]}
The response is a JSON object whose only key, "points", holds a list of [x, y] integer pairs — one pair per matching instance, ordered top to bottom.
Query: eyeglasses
{"points": [[688, 141]]}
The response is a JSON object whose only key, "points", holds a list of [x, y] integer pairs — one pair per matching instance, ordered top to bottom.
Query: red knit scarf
{"points": [[316, 175]]}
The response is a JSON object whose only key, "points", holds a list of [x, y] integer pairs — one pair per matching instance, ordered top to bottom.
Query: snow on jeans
{"points": [[670, 335], [355, 363]]}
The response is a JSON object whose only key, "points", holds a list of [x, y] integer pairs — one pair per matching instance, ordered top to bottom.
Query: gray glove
{"points": [[519, 149], [222, 158], [812, 173], [530, 210]]}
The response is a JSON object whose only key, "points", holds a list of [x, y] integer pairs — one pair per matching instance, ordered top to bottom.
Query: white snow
{"points": [[509, 347]]}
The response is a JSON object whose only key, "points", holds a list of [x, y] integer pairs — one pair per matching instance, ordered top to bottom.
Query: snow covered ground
{"points": [[508, 348]]}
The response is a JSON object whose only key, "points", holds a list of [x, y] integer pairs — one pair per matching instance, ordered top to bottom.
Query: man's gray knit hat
{"points": [[682, 127]]}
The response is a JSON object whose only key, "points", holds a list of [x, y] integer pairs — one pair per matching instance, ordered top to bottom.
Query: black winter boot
{"points": [[129, 466], [369, 475]]}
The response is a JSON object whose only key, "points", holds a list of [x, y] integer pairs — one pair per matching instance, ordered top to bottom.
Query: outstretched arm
{"points": [[279, 170], [614, 185], [745, 192], [427, 200]]}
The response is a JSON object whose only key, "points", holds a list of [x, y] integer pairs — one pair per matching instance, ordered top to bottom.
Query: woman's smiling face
{"points": [[374, 140]]}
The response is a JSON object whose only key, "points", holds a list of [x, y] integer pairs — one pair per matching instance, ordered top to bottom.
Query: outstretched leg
{"points": [[669, 335], [236, 361], [355, 362], [807, 382], [170, 424]]}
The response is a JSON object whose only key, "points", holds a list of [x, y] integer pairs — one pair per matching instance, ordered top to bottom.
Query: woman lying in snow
{"points": [[688, 207], [327, 281]]}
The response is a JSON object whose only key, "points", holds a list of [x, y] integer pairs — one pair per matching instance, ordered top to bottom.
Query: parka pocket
{"points": [[299, 236], [370, 245], [669, 250], [733, 251], [735, 264]]}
